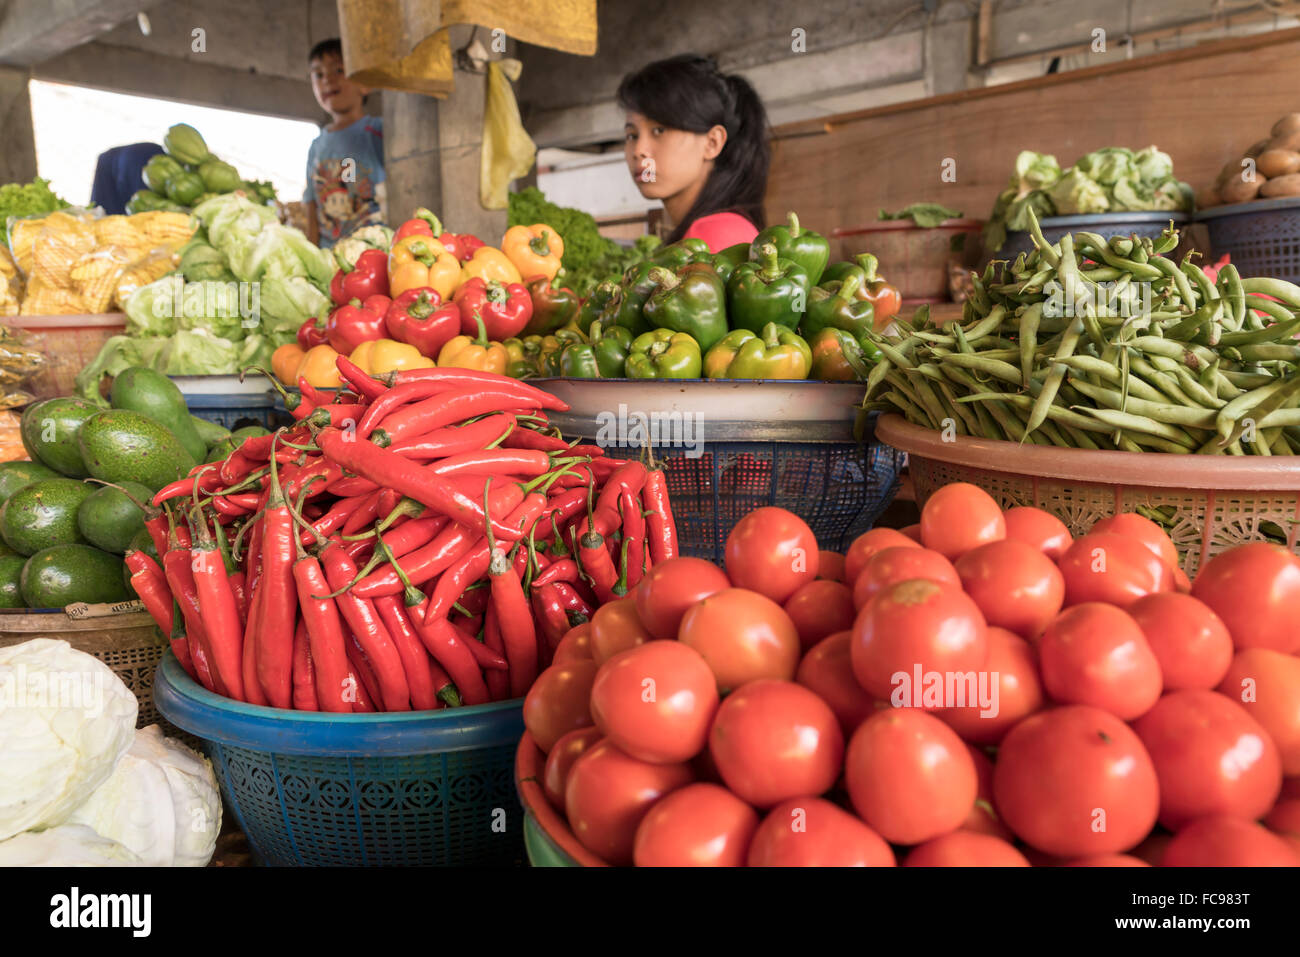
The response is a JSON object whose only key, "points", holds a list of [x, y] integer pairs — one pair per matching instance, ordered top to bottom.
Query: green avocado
{"points": [[152, 394], [50, 429], [121, 446], [14, 475], [43, 514], [108, 519], [11, 570], [58, 576]]}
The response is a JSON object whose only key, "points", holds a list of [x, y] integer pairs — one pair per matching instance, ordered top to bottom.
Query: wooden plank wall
{"points": [[1204, 106]]}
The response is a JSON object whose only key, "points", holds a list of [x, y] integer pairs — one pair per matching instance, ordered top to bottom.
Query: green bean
{"points": [[1168, 240], [1121, 246], [1045, 249], [1139, 251], [1168, 268], [1138, 270], [1105, 274], [1230, 280], [1288, 292], [1274, 310], [1029, 320], [1250, 337], [1268, 351], [895, 356], [1004, 371], [1109, 373], [877, 375], [1246, 380], [1162, 381], [1052, 384], [1192, 386], [932, 402], [1159, 411], [911, 412], [1057, 413], [968, 419], [1231, 419], [1140, 423], [1050, 432], [1080, 438], [1125, 442], [1144, 442]]}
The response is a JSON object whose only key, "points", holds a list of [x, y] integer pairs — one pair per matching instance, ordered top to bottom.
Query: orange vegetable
{"points": [[535, 250], [419, 261], [284, 362]]}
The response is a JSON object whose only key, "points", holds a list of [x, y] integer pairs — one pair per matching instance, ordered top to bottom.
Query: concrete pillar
{"points": [[948, 56], [18, 157], [411, 166]]}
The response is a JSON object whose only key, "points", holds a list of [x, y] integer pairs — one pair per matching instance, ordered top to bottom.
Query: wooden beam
{"points": [[35, 30]]}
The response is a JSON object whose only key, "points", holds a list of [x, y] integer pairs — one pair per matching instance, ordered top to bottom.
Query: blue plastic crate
{"points": [[1149, 225], [1262, 236], [234, 411], [416, 788]]}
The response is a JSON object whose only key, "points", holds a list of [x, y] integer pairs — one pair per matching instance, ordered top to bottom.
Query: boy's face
{"points": [[336, 94]]}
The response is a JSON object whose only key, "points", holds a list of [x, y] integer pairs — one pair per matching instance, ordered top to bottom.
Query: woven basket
{"points": [[1207, 504], [130, 644]]}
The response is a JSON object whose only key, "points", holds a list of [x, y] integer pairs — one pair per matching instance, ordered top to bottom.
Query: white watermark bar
{"points": [[659, 429]]}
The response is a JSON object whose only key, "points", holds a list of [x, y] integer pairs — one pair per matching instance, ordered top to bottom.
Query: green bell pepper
{"points": [[809, 249], [682, 253], [726, 260], [837, 272], [768, 290], [691, 300], [594, 304], [625, 306], [837, 306], [611, 347], [778, 353], [664, 354], [838, 357], [578, 361], [521, 363]]}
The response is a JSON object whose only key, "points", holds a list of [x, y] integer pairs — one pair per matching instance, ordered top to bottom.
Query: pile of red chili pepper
{"points": [[418, 540]]}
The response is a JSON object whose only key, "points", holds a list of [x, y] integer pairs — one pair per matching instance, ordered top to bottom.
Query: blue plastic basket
{"points": [[1105, 224], [1262, 236], [234, 411], [424, 788]]}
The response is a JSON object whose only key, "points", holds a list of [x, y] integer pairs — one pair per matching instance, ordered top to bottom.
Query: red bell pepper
{"points": [[422, 223], [461, 245], [369, 277], [504, 308], [420, 318], [357, 322], [311, 333]]}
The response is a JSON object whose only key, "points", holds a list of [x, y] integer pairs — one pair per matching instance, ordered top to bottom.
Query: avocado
{"points": [[151, 393], [50, 429], [210, 432], [248, 432], [122, 446], [220, 451], [14, 475], [43, 514], [108, 519], [142, 541], [5, 549], [11, 570], [58, 576]]}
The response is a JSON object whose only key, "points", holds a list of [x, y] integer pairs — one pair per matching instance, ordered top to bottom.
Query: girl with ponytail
{"points": [[697, 140]]}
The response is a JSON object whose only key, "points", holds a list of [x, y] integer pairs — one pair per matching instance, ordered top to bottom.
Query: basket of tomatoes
{"points": [[971, 691]]}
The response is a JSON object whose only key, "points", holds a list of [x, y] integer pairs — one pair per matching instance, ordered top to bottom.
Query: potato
{"points": [[1289, 123], [1285, 141], [1256, 148], [1278, 162], [1230, 169], [1288, 185], [1235, 190], [1207, 196]]}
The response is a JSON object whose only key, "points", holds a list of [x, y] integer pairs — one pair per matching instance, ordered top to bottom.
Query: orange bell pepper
{"points": [[535, 250], [419, 261], [489, 263], [468, 352], [388, 355], [284, 362], [318, 367]]}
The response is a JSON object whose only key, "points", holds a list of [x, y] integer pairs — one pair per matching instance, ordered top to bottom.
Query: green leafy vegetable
{"points": [[31, 199], [925, 215]]}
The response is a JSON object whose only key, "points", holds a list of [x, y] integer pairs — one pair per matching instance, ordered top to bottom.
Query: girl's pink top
{"points": [[721, 230]]}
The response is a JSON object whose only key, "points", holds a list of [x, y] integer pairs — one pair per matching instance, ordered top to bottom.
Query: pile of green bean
{"points": [[1105, 344]]}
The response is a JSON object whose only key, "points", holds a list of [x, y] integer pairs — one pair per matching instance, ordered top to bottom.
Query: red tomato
{"points": [[958, 517], [1043, 530], [1144, 530], [913, 532], [867, 544], [773, 552], [830, 566], [889, 566], [1112, 568], [1182, 584], [1016, 586], [670, 588], [1255, 589], [820, 608], [916, 626], [616, 627], [743, 636], [1188, 639], [576, 644], [1097, 655], [828, 671], [1267, 684], [1016, 694], [656, 701], [557, 703], [774, 740], [1211, 757], [560, 759], [909, 776], [1075, 781], [1291, 787], [607, 795], [983, 819], [1284, 821], [700, 825], [812, 832], [1228, 842], [965, 849], [1152, 850], [1108, 860]]}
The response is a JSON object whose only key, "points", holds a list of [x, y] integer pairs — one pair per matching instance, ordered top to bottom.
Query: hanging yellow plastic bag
{"points": [[508, 151]]}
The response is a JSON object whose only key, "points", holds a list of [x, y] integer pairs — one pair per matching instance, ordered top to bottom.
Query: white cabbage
{"points": [[69, 845]]}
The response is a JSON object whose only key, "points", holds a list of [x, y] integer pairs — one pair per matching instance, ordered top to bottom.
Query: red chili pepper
{"points": [[504, 308], [420, 318], [474, 378], [361, 381], [398, 396], [445, 409], [341, 416], [454, 439], [529, 439], [524, 463], [576, 476], [630, 476], [316, 477], [207, 483], [351, 486], [629, 505], [228, 509], [364, 514], [659, 517], [157, 527], [595, 561], [564, 570], [180, 578], [151, 585], [475, 600], [573, 602], [279, 605], [220, 612], [515, 618], [555, 623], [369, 630], [325, 634], [180, 645], [451, 651], [415, 657], [486, 658], [304, 678], [498, 682], [252, 687], [367, 691]]}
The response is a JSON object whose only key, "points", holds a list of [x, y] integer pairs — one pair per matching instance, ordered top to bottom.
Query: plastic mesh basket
{"points": [[1105, 224], [1262, 237], [234, 411], [428, 788]]}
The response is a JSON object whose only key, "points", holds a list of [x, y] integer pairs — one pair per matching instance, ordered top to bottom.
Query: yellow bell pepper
{"points": [[535, 250], [419, 261], [489, 263], [468, 352], [388, 355], [284, 362], [318, 367]]}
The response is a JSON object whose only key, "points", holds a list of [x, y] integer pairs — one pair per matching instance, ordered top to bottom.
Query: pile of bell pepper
{"points": [[420, 296], [775, 308], [417, 540]]}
